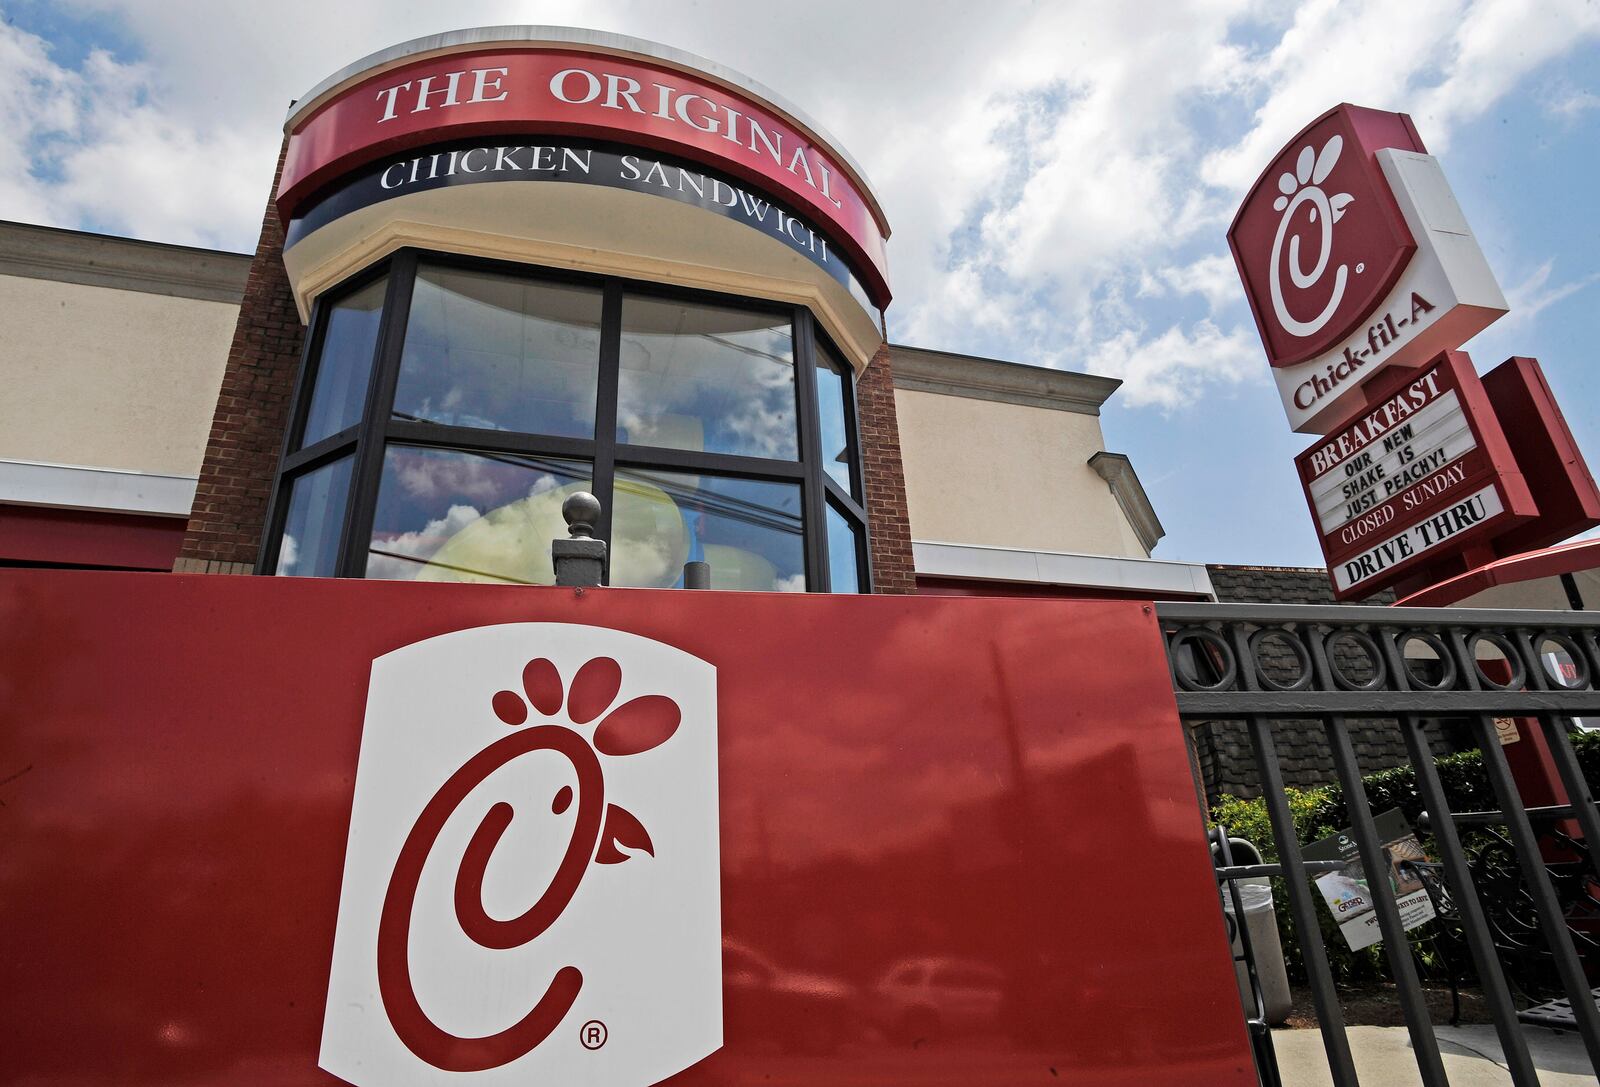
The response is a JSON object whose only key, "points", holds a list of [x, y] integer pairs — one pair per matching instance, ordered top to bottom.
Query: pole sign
{"points": [[1355, 258], [1548, 455], [1423, 470], [397, 834]]}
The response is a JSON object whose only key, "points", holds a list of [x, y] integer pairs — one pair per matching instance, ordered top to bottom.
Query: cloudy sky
{"points": [[1059, 175]]}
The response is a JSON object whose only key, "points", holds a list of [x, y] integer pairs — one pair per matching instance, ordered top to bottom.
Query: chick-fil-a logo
{"points": [[1303, 188], [1319, 240], [488, 924]]}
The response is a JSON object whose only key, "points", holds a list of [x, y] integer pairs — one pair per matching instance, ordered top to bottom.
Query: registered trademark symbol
{"points": [[1361, 268], [593, 1034]]}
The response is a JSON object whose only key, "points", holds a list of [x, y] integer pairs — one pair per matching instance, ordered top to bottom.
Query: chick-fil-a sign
{"points": [[571, 92], [1319, 239], [1356, 258], [1392, 489], [533, 841]]}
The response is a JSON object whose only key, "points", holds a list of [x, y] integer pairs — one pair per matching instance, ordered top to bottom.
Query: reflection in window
{"points": [[500, 353], [344, 366], [707, 379], [500, 391], [833, 391], [449, 516], [748, 531], [310, 543], [843, 574]]}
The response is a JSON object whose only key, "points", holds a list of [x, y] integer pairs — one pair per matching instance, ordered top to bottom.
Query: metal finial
{"points": [[582, 512], [580, 559]]}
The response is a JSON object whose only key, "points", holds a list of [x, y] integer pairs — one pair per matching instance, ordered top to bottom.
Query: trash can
{"points": [[1255, 896]]}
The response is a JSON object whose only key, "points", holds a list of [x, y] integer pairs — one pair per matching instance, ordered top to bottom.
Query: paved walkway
{"points": [[1472, 1057]]}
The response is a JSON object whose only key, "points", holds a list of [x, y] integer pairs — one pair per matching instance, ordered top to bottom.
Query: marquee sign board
{"points": [[478, 91], [1355, 257], [1422, 471], [411, 834]]}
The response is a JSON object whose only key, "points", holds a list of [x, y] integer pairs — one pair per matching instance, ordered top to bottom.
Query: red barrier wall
{"points": [[995, 792]]}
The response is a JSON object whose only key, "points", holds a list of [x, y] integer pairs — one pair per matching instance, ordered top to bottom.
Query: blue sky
{"points": [[1059, 176]]}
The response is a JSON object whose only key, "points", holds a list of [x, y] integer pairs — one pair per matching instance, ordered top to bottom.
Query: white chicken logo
{"points": [[1304, 186], [531, 891]]}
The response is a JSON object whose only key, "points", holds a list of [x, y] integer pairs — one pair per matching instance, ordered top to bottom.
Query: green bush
{"points": [[1319, 812]]}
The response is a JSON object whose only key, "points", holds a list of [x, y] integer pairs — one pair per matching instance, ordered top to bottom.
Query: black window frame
{"points": [[372, 435]]}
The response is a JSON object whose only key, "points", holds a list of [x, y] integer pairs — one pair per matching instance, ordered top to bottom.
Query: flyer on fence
{"points": [[1349, 891]]}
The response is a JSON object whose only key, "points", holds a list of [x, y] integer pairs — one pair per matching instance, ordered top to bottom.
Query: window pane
{"points": [[500, 353], [345, 365], [706, 378], [832, 390], [449, 516], [748, 531], [310, 544], [842, 571]]}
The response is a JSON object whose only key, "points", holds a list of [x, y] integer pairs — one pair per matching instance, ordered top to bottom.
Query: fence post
{"points": [[580, 559], [1425, 664]]}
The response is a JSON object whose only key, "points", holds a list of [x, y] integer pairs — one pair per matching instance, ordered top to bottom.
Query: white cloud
{"points": [[1494, 46], [1370, 52], [38, 101], [1573, 104], [94, 146], [179, 146], [1059, 176], [1113, 205], [1214, 278], [1535, 294], [1175, 368], [288, 553], [404, 555]]}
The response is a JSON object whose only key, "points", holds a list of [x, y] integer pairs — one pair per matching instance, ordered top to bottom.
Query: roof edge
{"points": [[29, 251], [920, 369], [1117, 470], [982, 562]]}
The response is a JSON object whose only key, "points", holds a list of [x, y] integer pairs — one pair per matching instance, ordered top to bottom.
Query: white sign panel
{"points": [[1434, 437], [1422, 536], [531, 890]]}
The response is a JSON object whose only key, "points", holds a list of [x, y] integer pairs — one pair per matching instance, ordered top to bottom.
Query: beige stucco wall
{"points": [[108, 378], [988, 473], [1130, 538]]}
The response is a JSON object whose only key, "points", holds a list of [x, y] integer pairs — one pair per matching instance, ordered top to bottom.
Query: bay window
{"points": [[447, 407]]}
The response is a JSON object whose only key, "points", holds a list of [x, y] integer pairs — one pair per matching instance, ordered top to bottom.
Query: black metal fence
{"points": [[1291, 667]]}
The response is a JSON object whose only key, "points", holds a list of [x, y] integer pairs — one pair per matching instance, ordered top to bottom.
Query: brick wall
{"points": [[230, 502], [888, 522], [1222, 748]]}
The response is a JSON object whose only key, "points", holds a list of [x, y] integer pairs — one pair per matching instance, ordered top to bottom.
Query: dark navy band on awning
{"points": [[576, 162]]}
